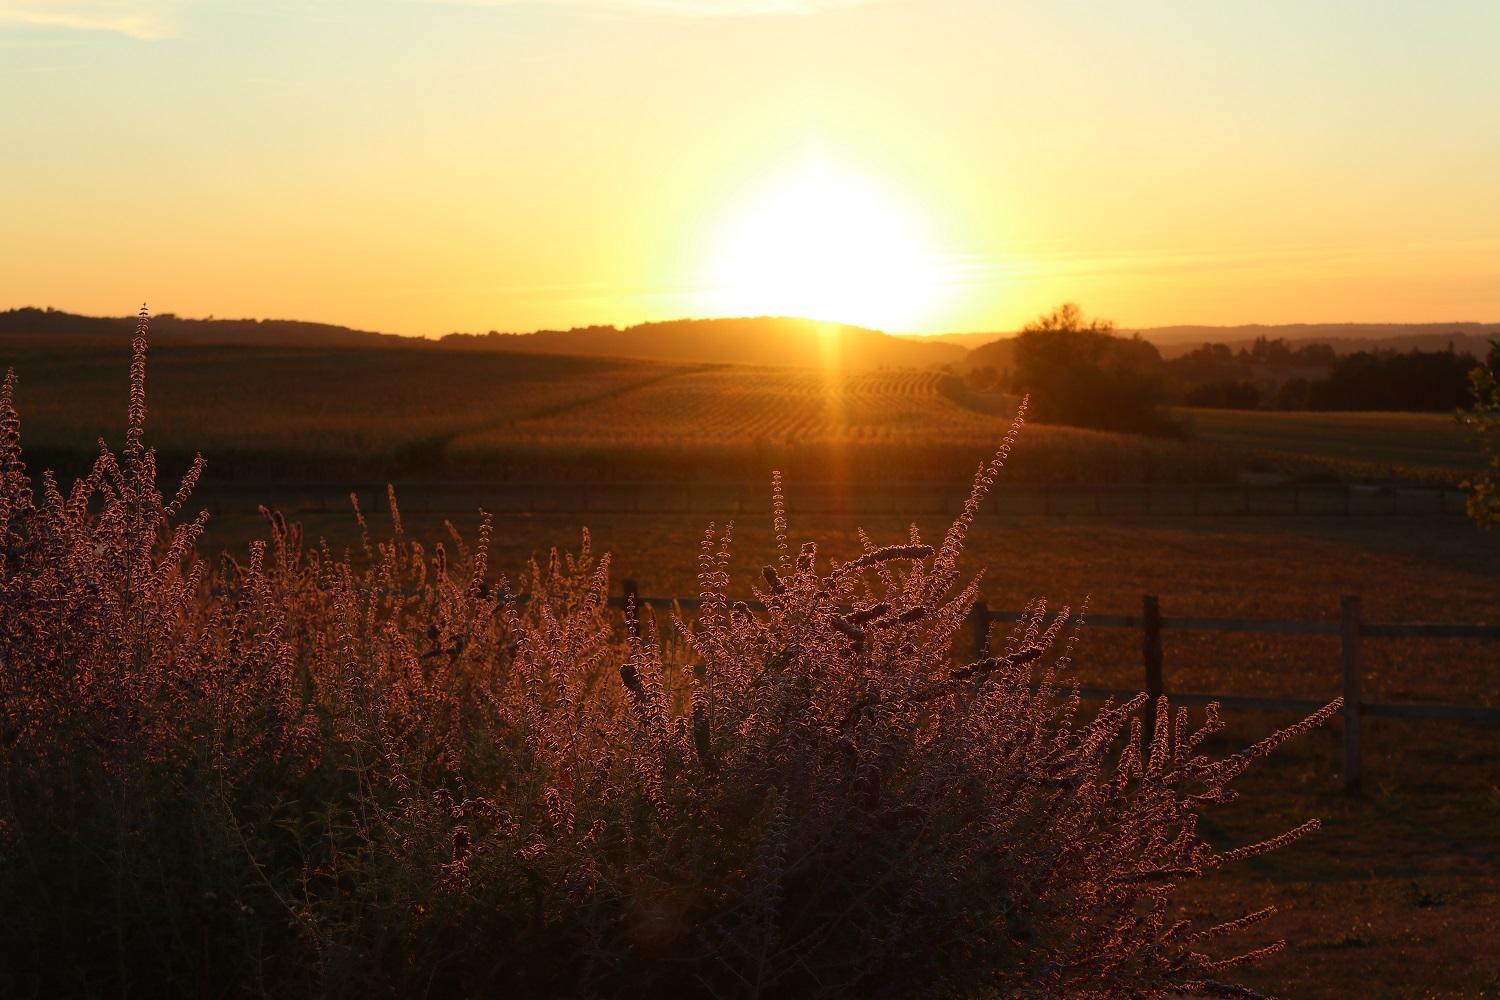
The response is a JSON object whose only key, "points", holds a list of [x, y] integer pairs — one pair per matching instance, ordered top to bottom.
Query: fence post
{"points": [[979, 620], [1349, 632], [1151, 648]]}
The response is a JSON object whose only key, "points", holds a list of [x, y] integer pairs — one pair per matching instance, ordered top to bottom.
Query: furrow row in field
{"points": [[733, 405]]}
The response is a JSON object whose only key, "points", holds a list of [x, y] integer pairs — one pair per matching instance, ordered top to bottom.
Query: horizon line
{"points": [[978, 331]]}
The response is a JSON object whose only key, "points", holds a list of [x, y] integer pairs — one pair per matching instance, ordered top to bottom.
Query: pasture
{"points": [[1431, 446]]}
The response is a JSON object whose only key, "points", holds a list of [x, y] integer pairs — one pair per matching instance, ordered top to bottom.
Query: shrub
{"points": [[1087, 376], [1482, 417], [393, 773]]}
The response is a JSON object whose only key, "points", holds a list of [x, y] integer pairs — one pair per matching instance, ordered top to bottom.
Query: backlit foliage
{"points": [[1483, 419], [393, 772]]}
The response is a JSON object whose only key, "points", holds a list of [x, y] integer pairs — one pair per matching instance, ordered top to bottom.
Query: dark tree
{"points": [[1080, 372], [1415, 380]]}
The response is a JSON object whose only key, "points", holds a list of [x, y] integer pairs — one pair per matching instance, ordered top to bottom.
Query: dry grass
{"points": [[1404, 569], [1399, 893]]}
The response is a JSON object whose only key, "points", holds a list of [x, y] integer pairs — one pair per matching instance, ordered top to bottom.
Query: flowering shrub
{"points": [[395, 773]]}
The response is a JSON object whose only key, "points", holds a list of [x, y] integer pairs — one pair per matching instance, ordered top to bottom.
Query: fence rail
{"points": [[1109, 499], [1350, 628]]}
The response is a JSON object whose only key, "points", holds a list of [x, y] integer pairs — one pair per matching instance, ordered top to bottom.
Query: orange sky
{"points": [[421, 166]]}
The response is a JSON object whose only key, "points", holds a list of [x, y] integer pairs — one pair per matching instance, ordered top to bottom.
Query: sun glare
{"points": [[826, 244]]}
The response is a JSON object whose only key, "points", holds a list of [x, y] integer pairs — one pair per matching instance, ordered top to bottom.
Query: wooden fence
{"points": [[1070, 500], [1350, 628]]}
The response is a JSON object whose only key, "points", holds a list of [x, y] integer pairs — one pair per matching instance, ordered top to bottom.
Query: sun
{"points": [[826, 244]]}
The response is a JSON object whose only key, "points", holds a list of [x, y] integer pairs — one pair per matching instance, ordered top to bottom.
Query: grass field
{"points": [[1379, 445], [1399, 892]]}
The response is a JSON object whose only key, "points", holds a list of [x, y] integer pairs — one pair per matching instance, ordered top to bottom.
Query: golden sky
{"points": [[418, 166]]}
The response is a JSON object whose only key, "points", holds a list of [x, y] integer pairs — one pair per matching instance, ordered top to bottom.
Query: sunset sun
{"points": [[826, 243]]}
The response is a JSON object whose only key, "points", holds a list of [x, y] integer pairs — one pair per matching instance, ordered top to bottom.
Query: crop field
{"points": [[737, 404], [301, 405], [271, 414], [1382, 445]]}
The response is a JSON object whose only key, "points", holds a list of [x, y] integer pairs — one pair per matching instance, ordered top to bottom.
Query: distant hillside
{"points": [[167, 328], [1346, 338], [760, 340], [763, 340], [968, 341], [993, 350], [997, 354]]}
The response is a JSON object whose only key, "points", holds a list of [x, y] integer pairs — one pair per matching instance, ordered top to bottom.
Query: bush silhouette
{"points": [[1083, 374]]}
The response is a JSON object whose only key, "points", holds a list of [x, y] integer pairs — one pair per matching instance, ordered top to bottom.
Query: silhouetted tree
{"points": [[1080, 372], [1414, 380], [1225, 394], [1294, 394]]}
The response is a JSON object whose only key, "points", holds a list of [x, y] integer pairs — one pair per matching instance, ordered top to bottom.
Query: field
{"points": [[270, 414], [335, 414], [1431, 446]]}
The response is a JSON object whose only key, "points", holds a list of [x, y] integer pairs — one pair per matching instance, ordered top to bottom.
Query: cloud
{"points": [[684, 8], [143, 19], [154, 19]]}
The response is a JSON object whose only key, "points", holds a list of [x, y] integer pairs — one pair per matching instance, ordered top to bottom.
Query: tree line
{"points": [[1083, 372]]}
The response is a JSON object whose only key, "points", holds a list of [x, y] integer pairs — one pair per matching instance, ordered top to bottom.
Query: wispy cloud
{"points": [[683, 8], [144, 19], [154, 19], [1448, 256]]}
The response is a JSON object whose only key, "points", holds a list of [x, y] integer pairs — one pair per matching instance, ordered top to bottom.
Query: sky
{"points": [[426, 166]]}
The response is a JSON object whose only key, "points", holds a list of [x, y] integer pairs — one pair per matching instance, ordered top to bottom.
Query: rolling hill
{"points": [[54, 324], [762, 340]]}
